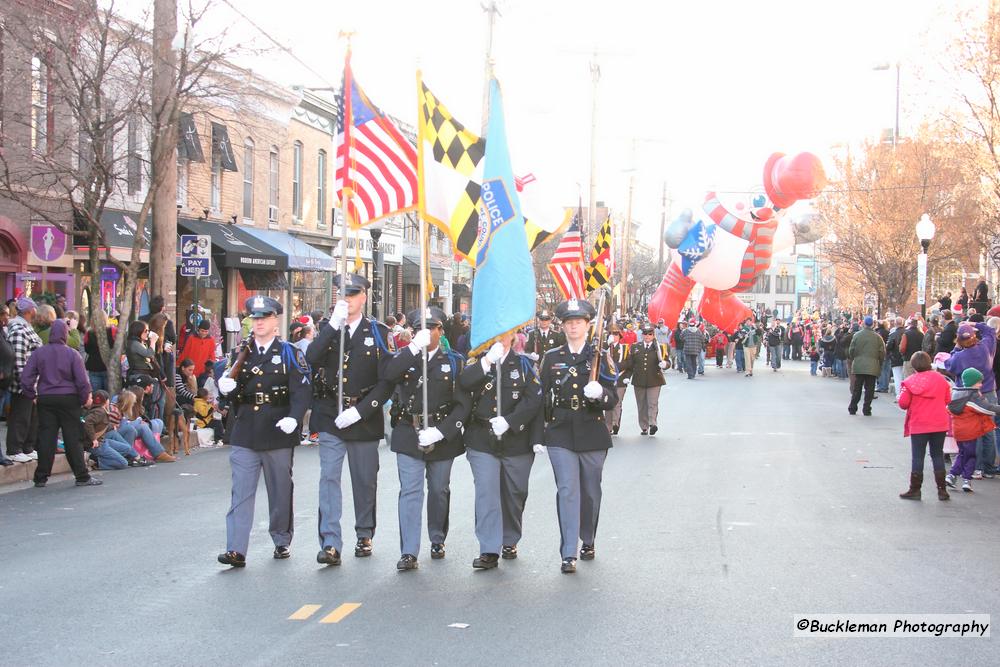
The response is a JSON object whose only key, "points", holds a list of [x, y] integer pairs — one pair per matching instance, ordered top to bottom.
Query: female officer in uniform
{"points": [[270, 393], [574, 430]]}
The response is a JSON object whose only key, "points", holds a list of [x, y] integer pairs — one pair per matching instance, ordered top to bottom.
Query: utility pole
{"points": [[595, 73], [663, 229], [625, 245], [163, 246]]}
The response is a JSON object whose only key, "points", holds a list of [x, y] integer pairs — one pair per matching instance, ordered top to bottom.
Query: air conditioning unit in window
{"points": [[272, 213]]}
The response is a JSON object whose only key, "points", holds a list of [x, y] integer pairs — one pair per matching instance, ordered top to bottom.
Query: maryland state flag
{"points": [[598, 272]]}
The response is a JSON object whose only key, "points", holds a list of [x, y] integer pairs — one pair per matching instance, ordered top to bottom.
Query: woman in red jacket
{"points": [[925, 396]]}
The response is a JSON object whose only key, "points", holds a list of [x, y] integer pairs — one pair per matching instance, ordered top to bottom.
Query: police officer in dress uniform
{"points": [[543, 338], [619, 353], [645, 366], [270, 395], [355, 430], [574, 431], [498, 446], [425, 450]]}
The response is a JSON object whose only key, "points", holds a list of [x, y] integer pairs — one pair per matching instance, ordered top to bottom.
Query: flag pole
{"points": [[348, 191], [422, 225]]}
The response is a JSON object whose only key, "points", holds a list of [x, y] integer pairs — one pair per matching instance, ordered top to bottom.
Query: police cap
{"points": [[353, 283], [262, 306], [571, 308], [545, 315], [433, 317]]}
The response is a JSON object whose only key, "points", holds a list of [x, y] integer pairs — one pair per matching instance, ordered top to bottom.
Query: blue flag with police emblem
{"points": [[503, 292]]}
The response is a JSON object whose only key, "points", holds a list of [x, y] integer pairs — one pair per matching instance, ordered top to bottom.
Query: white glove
{"points": [[339, 315], [421, 339], [495, 353], [532, 356], [663, 364], [625, 381], [226, 385], [593, 390], [347, 417], [287, 424], [500, 426], [429, 436], [538, 449]]}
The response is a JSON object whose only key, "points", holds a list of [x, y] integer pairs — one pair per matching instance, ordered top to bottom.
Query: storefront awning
{"points": [[234, 247], [301, 255], [411, 272]]}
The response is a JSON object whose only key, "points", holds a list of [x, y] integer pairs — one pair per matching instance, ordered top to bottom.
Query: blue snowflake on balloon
{"points": [[696, 245]]}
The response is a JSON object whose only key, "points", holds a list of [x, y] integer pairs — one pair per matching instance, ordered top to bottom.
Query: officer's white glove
{"points": [[339, 315], [421, 339], [495, 353], [532, 356], [663, 364], [625, 381], [226, 385], [593, 390], [347, 417], [287, 424], [500, 426], [429, 436], [538, 449]]}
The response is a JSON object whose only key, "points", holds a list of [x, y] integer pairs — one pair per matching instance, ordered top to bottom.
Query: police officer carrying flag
{"points": [[269, 386], [355, 427], [574, 431], [498, 446], [425, 450]]}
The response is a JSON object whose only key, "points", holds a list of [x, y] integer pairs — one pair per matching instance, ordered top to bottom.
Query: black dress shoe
{"points": [[851, 412], [867, 414], [614, 430], [653, 430], [643, 433], [6, 462], [90, 481], [41, 484], [363, 548], [437, 551], [587, 552], [281, 553], [509, 553], [328, 556], [233, 558], [486, 561], [407, 562], [568, 566]]}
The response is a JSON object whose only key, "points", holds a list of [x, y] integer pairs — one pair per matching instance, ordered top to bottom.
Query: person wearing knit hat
{"points": [[975, 348], [866, 353], [925, 395], [972, 417], [22, 422]]}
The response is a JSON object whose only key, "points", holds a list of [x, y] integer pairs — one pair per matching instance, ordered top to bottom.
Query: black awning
{"points": [[119, 229], [234, 248], [411, 272], [263, 280]]}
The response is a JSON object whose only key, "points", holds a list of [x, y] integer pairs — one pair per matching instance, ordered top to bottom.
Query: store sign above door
{"points": [[48, 243]]}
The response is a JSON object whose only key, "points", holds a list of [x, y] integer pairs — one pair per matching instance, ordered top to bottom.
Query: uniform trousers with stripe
{"points": [[648, 400], [362, 460], [247, 465], [412, 472], [501, 492], [578, 495]]}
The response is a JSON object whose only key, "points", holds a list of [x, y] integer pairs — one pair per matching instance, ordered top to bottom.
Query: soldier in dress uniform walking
{"points": [[543, 338], [619, 353], [645, 366], [270, 390], [354, 428], [574, 432], [498, 446], [425, 450]]}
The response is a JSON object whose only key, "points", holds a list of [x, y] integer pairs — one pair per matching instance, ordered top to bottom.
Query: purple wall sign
{"points": [[48, 243]]}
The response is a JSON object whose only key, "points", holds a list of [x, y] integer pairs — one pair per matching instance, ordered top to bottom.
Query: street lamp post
{"points": [[925, 232]]}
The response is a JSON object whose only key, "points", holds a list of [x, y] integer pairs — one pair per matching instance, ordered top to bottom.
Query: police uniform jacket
{"points": [[540, 342], [366, 352], [621, 355], [644, 364], [269, 387], [448, 405], [520, 405], [571, 420]]}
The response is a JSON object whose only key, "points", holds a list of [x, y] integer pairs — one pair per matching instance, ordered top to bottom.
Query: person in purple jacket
{"points": [[978, 352], [56, 379]]}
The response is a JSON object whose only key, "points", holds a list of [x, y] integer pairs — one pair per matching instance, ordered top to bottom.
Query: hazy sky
{"points": [[706, 89]]}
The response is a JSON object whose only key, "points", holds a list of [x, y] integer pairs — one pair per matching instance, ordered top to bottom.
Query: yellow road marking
{"points": [[304, 612], [341, 612]]}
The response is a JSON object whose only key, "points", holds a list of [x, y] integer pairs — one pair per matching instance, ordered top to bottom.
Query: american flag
{"points": [[375, 162], [566, 265]]}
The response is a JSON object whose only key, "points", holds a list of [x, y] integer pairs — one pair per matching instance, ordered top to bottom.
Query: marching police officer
{"points": [[543, 338], [619, 356], [645, 366], [269, 387], [354, 428], [574, 431], [498, 446], [425, 450]]}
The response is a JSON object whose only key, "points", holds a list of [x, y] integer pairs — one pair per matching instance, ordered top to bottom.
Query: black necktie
{"points": [[262, 351]]}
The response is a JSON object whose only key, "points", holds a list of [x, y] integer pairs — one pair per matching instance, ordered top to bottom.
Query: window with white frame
{"points": [[41, 116], [248, 179], [297, 181], [182, 182], [272, 186], [321, 188], [216, 201]]}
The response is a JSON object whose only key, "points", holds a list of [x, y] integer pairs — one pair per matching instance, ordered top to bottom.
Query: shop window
{"points": [[41, 110], [248, 179], [762, 285]]}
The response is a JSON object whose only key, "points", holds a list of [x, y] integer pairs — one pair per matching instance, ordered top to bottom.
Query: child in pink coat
{"points": [[925, 396]]}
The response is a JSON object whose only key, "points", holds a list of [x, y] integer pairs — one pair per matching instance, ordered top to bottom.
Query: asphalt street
{"points": [[759, 499]]}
